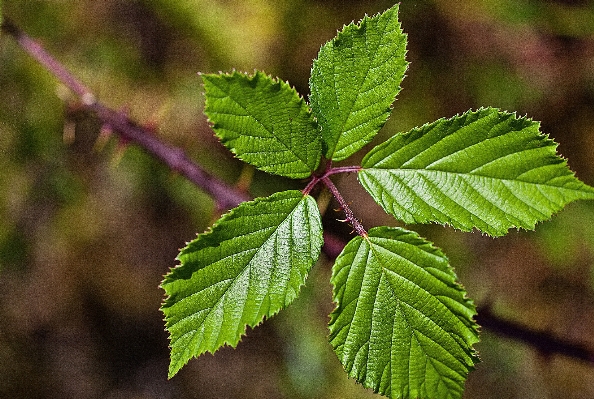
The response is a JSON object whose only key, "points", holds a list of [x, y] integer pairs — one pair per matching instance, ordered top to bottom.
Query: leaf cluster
{"points": [[402, 325]]}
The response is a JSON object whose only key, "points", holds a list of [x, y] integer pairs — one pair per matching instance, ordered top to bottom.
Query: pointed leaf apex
{"points": [[354, 81], [264, 122], [486, 169], [250, 265]]}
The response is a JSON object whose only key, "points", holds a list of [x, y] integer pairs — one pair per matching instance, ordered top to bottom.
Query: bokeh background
{"points": [[88, 226]]}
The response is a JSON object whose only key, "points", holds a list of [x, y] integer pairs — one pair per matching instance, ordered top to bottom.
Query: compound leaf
{"points": [[354, 81], [264, 122], [484, 169], [249, 266], [403, 326]]}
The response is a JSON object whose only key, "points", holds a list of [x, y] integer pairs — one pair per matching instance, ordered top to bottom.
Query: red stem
{"points": [[342, 169], [329, 172], [324, 178], [312, 183], [345, 207]]}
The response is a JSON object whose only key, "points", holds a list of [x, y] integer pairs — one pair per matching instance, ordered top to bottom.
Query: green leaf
{"points": [[354, 81], [264, 122], [486, 169], [249, 266], [402, 325]]}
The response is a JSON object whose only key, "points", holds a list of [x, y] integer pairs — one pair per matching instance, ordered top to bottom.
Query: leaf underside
{"points": [[354, 81], [264, 122], [484, 169], [249, 266], [402, 325]]}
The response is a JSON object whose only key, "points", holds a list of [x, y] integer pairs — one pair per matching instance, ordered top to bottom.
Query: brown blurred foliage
{"points": [[88, 225]]}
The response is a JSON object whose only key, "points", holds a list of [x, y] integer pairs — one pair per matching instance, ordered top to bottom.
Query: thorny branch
{"points": [[175, 158], [229, 197], [350, 217]]}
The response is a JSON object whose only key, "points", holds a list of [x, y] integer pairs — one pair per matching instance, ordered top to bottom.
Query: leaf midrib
{"points": [[347, 114], [249, 115], [465, 174], [463, 206], [372, 252], [387, 270], [233, 279]]}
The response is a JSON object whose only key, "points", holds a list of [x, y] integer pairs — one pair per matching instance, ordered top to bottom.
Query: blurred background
{"points": [[88, 226]]}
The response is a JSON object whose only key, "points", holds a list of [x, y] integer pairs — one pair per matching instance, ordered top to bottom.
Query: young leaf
{"points": [[354, 81], [264, 122], [486, 169], [249, 266], [402, 325]]}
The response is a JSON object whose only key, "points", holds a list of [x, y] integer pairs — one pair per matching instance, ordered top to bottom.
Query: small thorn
{"points": [[88, 99], [69, 132], [103, 137], [119, 152]]}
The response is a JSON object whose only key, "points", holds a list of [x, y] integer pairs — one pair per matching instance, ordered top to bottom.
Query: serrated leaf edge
{"points": [[273, 80], [356, 144], [515, 221], [168, 279]]}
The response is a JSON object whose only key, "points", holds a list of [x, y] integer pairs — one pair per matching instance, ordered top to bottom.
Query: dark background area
{"points": [[89, 226]]}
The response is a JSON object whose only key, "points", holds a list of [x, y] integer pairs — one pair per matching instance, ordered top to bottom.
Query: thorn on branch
{"points": [[69, 132], [103, 137]]}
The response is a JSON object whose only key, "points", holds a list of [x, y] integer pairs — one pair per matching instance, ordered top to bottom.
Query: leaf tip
{"points": [[174, 367]]}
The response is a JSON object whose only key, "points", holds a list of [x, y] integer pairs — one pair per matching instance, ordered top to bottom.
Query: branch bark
{"points": [[175, 158], [227, 196], [544, 342]]}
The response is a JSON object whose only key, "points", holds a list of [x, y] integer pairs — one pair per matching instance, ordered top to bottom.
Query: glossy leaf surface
{"points": [[354, 81], [264, 122], [484, 169], [249, 266], [402, 325]]}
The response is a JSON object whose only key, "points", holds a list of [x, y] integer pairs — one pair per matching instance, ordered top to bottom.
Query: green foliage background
{"points": [[86, 234]]}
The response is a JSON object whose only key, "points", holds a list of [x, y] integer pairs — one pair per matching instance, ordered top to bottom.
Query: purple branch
{"points": [[35, 50], [175, 158]]}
